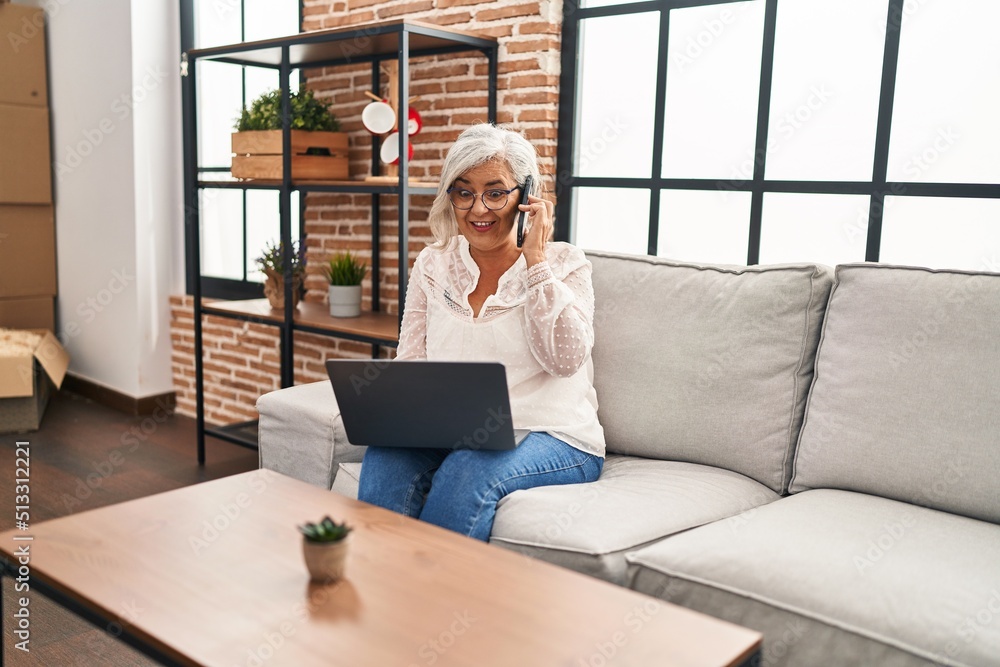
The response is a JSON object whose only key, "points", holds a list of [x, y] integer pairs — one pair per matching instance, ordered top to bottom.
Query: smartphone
{"points": [[525, 191]]}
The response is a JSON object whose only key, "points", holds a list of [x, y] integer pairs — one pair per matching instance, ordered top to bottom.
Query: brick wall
{"points": [[241, 358], [241, 361]]}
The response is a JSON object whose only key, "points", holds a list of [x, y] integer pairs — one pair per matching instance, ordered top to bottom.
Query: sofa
{"points": [[809, 452]]}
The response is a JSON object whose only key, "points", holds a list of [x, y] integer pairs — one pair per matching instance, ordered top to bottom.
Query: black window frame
{"points": [[878, 188], [215, 287]]}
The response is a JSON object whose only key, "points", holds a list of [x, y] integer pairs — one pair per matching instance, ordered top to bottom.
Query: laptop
{"points": [[440, 404]]}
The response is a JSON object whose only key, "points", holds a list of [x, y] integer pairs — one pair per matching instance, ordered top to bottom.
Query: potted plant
{"points": [[319, 149], [271, 264], [345, 273], [324, 547]]}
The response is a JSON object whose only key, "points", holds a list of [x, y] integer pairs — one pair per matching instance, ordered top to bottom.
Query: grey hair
{"points": [[478, 145]]}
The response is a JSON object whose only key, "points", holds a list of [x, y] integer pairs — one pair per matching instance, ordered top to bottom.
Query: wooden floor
{"points": [[87, 456]]}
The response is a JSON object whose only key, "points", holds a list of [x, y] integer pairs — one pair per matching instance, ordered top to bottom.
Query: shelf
{"points": [[358, 43], [374, 44], [356, 187], [378, 328], [244, 434]]}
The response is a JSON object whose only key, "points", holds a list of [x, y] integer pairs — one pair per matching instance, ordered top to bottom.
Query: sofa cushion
{"points": [[706, 364], [906, 399], [302, 435], [590, 527], [829, 573]]}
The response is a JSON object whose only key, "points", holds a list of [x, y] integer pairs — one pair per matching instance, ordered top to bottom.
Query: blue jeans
{"points": [[459, 489]]}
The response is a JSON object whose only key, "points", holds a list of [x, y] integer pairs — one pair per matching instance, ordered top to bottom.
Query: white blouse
{"points": [[539, 325]]}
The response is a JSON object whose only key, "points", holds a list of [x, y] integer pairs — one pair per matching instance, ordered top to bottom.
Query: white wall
{"points": [[115, 106]]}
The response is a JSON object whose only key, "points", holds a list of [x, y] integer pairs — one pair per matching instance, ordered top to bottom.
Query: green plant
{"points": [[308, 113], [270, 259], [346, 269], [325, 531]]}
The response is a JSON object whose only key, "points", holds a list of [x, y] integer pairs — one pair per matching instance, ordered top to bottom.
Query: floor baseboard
{"points": [[118, 401]]}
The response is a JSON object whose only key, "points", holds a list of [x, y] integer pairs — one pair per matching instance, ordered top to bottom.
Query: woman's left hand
{"points": [[538, 228]]}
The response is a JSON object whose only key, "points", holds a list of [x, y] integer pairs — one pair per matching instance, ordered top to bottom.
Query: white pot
{"points": [[345, 300], [326, 560]]}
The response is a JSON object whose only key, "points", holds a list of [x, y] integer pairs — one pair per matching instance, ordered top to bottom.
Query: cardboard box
{"points": [[22, 52], [25, 163], [27, 251], [32, 313], [27, 377]]}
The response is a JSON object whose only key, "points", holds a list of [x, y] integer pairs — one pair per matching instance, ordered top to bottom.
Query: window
{"points": [[756, 131], [235, 223]]}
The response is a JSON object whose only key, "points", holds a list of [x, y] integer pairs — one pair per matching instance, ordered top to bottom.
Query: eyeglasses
{"points": [[494, 199]]}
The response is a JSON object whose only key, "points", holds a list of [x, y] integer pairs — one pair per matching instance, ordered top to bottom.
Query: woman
{"points": [[475, 296]]}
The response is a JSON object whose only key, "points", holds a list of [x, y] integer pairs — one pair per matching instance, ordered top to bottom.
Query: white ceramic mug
{"points": [[378, 117], [390, 149]]}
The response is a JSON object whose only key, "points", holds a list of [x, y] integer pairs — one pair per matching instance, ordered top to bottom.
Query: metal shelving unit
{"points": [[376, 43]]}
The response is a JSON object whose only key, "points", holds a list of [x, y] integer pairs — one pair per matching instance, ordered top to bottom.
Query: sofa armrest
{"points": [[302, 435]]}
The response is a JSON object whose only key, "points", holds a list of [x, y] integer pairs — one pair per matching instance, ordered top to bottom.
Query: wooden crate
{"points": [[258, 155]]}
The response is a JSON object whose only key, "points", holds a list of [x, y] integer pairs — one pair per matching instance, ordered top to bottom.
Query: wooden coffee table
{"points": [[213, 574]]}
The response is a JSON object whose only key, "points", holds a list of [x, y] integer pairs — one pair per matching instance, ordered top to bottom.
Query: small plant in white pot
{"points": [[345, 273], [324, 547]]}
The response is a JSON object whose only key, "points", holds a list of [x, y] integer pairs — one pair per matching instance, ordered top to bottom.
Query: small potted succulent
{"points": [[270, 264], [345, 273], [324, 547]]}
